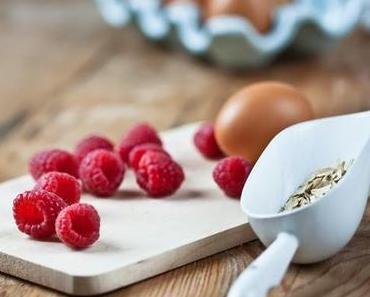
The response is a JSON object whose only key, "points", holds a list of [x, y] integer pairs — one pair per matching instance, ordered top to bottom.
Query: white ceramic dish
{"points": [[305, 25], [317, 231]]}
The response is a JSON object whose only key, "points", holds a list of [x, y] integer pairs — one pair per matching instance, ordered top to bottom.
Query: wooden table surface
{"points": [[64, 73]]}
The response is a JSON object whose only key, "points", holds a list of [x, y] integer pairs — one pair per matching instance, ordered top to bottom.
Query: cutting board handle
{"points": [[267, 270]]}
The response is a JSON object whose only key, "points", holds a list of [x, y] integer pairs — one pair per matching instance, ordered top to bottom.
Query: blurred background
{"points": [[65, 72]]}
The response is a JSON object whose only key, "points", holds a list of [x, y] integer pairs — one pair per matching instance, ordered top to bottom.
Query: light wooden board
{"points": [[64, 73], [140, 237]]}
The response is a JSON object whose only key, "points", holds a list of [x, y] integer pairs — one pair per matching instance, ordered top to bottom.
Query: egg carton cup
{"points": [[366, 16], [307, 26]]}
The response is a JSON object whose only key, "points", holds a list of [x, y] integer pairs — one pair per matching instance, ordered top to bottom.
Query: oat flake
{"points": [[317, 186]]}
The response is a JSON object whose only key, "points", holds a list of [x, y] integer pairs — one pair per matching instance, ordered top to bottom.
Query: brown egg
{"points": [[200, 2], [258, 12], [254, 115]]}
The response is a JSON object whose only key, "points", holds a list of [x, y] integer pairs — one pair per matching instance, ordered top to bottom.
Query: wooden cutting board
{"points": [[140, 237]]}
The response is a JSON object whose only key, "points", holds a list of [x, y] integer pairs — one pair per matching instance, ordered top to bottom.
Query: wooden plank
{"points": [[41, 53], [129, 79], [111, 97], [140, 237]]}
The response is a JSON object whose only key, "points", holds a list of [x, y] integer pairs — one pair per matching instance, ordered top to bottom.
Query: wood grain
{"points": [[63, 73], [139, 237]]}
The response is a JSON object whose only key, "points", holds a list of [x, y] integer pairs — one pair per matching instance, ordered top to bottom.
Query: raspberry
{"points": [[138, 134], [205, 141], [91, 143], [138, 151], [53, 160], [102, 172], [158, 174], [231, 174], [62, 184], [35, 212], [78, 225]]}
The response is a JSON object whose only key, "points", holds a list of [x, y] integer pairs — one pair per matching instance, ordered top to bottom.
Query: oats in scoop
{"points": [[317, 186]]}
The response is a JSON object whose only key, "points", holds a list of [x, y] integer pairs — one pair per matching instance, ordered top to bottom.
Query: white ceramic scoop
{"points": [[319, 230]]}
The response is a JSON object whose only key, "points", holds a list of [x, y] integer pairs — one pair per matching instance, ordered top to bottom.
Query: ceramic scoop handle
{"points": [[267, 270]]}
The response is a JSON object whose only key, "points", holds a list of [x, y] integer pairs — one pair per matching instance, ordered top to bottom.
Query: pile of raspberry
{"points": [[98, 167], [230, 173], [53, 207]]}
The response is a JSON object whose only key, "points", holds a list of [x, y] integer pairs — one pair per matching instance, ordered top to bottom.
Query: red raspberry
{"points": [[138, 134], [205, 141], [91, 143], [138, 151], [53, 160], [102, 172], [158, 174], [231, 174], [62, 184], [35, 212], [78, 225]]}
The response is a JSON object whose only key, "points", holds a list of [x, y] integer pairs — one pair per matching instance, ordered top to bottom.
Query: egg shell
{"points": [[200, 2], [258, 12], [253, 116]]}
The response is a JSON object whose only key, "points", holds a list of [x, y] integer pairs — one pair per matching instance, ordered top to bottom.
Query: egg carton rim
{"points": [[158, 22], [231, 41]]}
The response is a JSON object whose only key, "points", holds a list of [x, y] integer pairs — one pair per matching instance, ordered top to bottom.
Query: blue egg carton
{"points": [[307, 26]]}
